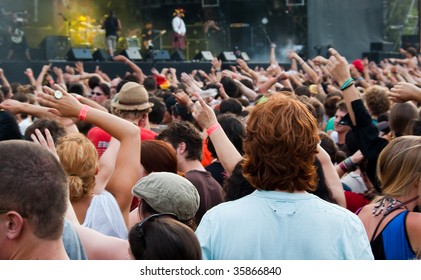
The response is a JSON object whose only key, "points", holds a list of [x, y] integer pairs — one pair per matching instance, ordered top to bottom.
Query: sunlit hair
{"points": [[376, 99], [281, 145], [158, 156], [79, 159], [399, 165]]}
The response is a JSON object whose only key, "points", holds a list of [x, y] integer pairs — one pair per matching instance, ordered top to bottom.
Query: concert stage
{"points": [[14, 69]]}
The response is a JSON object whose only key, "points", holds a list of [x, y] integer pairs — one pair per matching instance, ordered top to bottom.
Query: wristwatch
{"points": [[58, 94]]}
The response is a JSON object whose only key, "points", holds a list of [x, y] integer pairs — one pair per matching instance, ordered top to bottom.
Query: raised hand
{"points": [[338, 67], [403, 92], [60, 101]]}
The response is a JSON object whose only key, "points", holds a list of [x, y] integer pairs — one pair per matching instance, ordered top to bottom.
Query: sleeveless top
{"points": [[104, 215], [392, 243]]}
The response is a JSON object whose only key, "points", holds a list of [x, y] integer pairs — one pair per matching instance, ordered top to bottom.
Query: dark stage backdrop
{"points": [[348, 25]]}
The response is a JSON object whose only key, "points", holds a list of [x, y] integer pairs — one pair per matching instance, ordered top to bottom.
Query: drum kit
{"points": [[85, 31]]}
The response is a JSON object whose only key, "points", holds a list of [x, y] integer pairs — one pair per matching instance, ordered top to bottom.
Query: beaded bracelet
{"points": [[346, 84], [84, 112], [212, 128]]}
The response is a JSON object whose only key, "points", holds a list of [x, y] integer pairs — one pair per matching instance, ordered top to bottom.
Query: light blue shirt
{"points": [[270, 225]]}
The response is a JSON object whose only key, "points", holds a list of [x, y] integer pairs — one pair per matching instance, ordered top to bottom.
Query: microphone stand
{"points": [[68, 24]]}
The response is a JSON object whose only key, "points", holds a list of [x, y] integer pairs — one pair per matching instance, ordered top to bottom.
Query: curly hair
{"points": [[376, 99], [281, 146]]}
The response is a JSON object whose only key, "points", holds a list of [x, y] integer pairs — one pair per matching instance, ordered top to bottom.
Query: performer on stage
{"points": [[111, 25], [179, 29], [147, 36], [18, 43]]}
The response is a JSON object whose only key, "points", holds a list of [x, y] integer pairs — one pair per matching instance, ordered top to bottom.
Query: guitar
{"points": [[17, 36], [149, 43]]}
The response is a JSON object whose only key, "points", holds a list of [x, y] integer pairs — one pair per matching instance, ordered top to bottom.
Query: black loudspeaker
{"points": [[241, 36], [410, 41], [55, 47], [194, 47], [382, 47], [132, 53], [76, 54], [101, 55], [161, 55], [178, 55], [204, 56], [227, 56], [245, 56], [379, 56]]}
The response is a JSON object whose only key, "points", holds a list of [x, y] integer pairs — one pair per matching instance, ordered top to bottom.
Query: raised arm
{"points": [[307, 68], [136, 69], [41, 76], [4, 79], [403, 92], [226, 151], [127, 168], [333, 182]]}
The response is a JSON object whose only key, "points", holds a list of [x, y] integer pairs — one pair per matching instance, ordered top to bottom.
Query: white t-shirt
{"points": [[104, 216]]}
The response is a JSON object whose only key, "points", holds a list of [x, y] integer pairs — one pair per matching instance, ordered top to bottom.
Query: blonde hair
{"points": [[79, 159], [399, 165]]}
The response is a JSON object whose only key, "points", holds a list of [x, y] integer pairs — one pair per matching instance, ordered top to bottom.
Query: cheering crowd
{"points": [[320, 161]]}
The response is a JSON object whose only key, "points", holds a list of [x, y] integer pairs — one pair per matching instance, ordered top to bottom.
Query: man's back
{"points": [[210, 191], [281, 225]]}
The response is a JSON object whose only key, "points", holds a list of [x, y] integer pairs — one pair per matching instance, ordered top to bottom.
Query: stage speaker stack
{"points": [[55, 47], [380, 51], [132, 53], [79, 54], [101, 55], [161, 55], [178, 55], [204, 56], [228, 56]]}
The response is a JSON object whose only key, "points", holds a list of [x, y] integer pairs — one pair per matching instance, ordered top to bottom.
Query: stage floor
{"points": [[14, 69]]}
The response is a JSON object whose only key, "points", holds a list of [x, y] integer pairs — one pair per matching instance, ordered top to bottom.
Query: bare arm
{"points": [[136, 69], [310, 72], [30, 74], [41, 75], [4, 79], [226, 151], [127, 169], [333, 182]]}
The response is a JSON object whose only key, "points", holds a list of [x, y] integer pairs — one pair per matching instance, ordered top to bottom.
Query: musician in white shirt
{"points": [[179, 29]]}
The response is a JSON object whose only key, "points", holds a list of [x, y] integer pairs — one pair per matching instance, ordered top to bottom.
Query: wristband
{"points": [[249, 71], [233, 75], [346, 84], [84, 112], [212, 128], [349, 165], [343, 167]]}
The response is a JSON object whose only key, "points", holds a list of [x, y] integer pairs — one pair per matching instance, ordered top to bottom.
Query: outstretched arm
{"points": [[226, 151], [127, 168]]}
